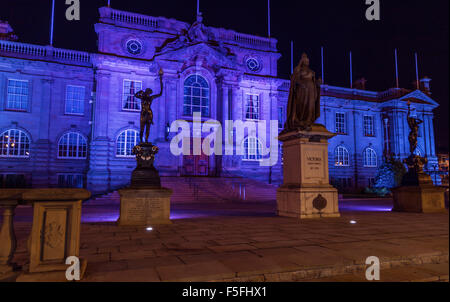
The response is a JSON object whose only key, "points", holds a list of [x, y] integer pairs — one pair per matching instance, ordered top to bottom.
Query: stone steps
{"points": [[206, 190]]}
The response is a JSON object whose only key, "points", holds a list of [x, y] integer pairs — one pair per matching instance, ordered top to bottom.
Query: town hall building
{"points": [[70, 118]]}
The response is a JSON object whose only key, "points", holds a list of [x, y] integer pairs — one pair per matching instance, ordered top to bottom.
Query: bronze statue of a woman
{"points": [[304, 97]]}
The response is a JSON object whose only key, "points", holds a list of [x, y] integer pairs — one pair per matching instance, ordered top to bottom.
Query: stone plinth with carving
{"points": [[306, 191], [145, 202], [55, 233]]}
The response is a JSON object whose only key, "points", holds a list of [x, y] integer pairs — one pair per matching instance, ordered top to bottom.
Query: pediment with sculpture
{"points": [[196, 40]]}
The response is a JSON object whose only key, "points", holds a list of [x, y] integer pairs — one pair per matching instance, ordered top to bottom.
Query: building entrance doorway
{"points": [[195, 165]]}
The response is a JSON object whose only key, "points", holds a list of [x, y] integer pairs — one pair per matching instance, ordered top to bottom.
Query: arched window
{"points": [[196, 95], [126, 141], [14, 143], [72, 145], [252, 149], [341, 157], [370, 158]]}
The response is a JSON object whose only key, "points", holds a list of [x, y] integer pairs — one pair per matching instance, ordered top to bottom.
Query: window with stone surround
{"points": [[17, 95], [196, 96], [75, 97], [129, 101], [252, 111], [340, 123], [368, 125], [14, 143], [125, 143], [72, 145], [252, 149], [341, 157], [370, 157], [12, 180], [70, 180]]}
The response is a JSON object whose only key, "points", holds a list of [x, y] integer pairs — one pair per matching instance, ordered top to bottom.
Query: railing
{"points": [[133, 18], [245, 39], [252, 40], [22, 48], [45, 52], [71, 55]]}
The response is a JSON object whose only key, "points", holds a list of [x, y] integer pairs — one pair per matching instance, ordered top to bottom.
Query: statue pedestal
{"points": [[306, 191], [417, 193], [145, 202], [144, 207]]}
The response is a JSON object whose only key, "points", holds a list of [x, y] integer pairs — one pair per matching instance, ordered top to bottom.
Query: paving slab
{"points": [[237, 245]]}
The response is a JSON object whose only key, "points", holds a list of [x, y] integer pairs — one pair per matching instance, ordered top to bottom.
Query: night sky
{"points": [[339, 26]]}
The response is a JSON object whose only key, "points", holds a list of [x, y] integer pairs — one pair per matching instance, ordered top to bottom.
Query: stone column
{"points": [[41, 151], [98, 176]]}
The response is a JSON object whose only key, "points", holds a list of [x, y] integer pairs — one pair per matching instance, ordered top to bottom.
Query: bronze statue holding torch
{"points": [[146, 110]]}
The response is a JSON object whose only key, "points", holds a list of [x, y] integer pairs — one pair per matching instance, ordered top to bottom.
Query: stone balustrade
{"points": [[110, 15], [24, 50], [55, 233]]}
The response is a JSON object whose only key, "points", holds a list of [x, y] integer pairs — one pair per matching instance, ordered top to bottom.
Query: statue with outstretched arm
{"points": [[146, 110], [413, 124]]}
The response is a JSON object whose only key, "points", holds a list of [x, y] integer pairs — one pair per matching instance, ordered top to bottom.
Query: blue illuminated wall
{"points": [[134, 47]]}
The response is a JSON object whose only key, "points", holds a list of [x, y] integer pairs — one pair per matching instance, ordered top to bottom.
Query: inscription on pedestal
{"points": [[314, 164], [144, 207], [157, 209], [136, 210]]}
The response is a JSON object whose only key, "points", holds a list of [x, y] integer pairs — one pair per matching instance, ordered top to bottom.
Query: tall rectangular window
{"points": [[17, 95], [75, 99], [129, 101], [252, 107], [280, 118], [340, 123], [368, 126]]}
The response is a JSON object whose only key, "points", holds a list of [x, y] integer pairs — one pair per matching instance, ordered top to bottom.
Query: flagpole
{"points": [[198, 8], [268, 13], [51, 22], [292, 57], [396, 69], [351, 71], [417, 72], [323, 75]]}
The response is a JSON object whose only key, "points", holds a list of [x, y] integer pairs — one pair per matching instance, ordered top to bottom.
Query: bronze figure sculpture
{"points": [[304, 97], [146, 110], [413, 124], [415, 163]]}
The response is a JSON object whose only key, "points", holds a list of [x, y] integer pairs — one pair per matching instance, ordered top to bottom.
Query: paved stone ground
{"points": [[246, 242]]}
